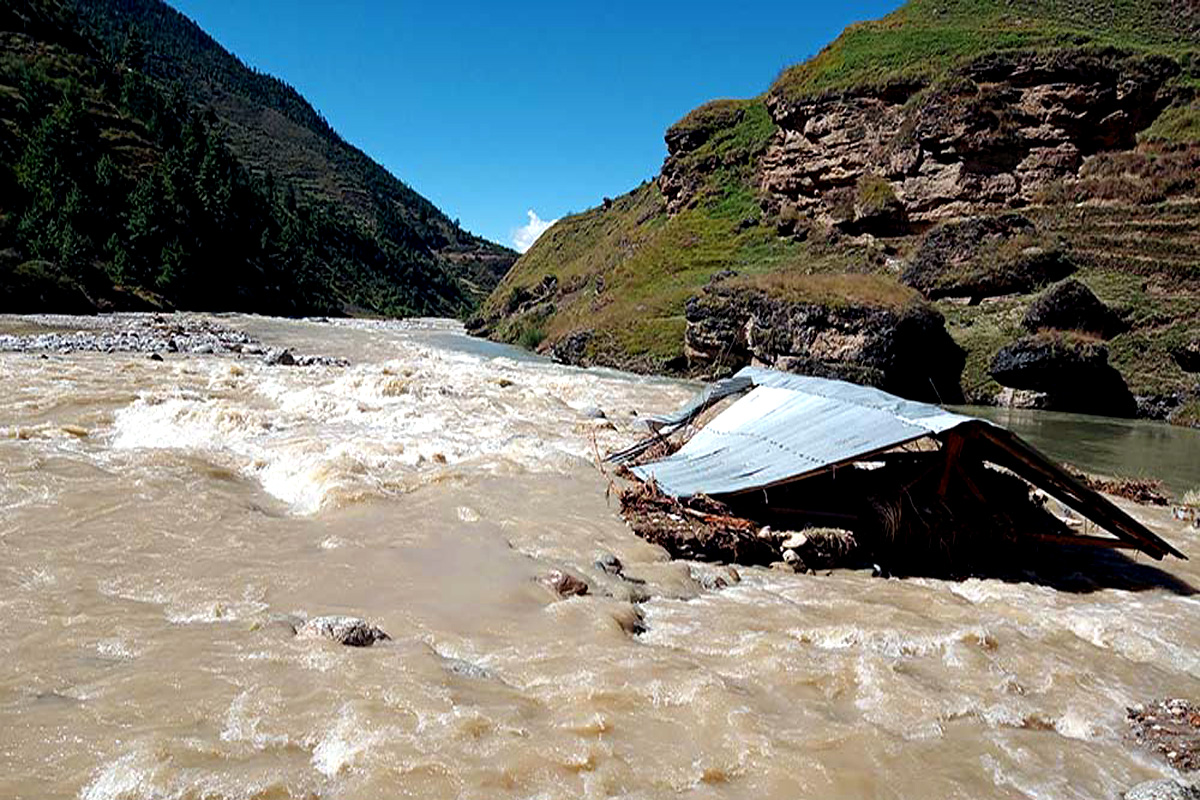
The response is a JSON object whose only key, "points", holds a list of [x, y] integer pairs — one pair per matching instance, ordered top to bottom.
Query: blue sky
{"points": [[492, 110]]}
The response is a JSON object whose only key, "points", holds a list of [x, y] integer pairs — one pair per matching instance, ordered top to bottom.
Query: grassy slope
{"points": [[922, 40], [649, 264]]}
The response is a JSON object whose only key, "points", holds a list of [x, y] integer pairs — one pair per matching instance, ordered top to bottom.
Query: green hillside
{"points": [[925, 39], [141, 164], [610, 285]]}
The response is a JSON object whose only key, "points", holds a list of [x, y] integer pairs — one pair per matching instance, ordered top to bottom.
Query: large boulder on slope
{"points": [[986, 257], [1071, 306], [849, 327], [1187, 356], [1073, 372]]}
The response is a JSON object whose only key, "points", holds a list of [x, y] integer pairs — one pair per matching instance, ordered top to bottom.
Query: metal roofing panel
{"points": [[789, 426]]}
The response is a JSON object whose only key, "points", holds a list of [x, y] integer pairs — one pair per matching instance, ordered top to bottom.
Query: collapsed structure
{"points": [[922, 488]]}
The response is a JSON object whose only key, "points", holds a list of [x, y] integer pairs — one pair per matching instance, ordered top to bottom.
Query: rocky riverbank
{"points": [[152, 334]]}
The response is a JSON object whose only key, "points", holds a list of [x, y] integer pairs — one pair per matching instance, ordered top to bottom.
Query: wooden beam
{"points": [[954, 448], [1027, 462], [1086, 541]]}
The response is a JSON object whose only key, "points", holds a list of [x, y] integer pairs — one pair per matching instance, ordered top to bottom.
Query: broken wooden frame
{"points": [[779, 439]]}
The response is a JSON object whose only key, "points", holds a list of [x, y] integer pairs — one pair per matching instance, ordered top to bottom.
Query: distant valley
{"points": [[142, 166]]}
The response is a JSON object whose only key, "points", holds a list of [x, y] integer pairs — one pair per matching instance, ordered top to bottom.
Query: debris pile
{"points": [[153, 334], [811, 474], [1145, 491], [697, 528], [1171, 728]]}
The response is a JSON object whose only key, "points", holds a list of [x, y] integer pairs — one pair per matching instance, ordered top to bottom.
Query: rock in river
{"points": [[279, 357], [564, 584], [350, 631], [1170, 728], [1163, 790]]}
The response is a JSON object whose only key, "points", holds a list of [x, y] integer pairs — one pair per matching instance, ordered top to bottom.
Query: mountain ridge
{"points": [[364, 240]]}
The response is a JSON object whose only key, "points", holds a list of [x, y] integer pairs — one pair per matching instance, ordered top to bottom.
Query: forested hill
{"points": [[143, 165]]}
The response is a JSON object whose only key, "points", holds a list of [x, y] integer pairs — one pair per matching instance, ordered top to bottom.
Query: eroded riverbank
{"points": [[155, 515]]}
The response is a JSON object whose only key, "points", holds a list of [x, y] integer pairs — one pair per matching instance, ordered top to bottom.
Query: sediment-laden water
{"points": [[157, 518]]}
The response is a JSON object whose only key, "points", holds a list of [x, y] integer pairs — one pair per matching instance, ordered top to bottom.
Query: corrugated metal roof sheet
{"points": [[789, 426]]}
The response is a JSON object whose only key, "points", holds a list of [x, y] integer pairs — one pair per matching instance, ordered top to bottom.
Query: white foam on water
{"points": [[315, 437], [36, 579], [132, 589], [977, 590], [215, 612], [1143, 635], [892, 642], [116, 649], [245, 717], [1076, 725], [343, 745], [129, 777]]}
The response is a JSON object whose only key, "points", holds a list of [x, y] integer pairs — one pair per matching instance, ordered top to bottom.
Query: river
{"points": [[158, 517]]}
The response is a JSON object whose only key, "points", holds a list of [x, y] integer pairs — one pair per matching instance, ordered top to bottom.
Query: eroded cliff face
{"points": [[994, 135], [932, 173], [966, 196], [904, 349]]}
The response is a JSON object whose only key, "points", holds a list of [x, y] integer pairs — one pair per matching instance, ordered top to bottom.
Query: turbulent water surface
{"points": [[158, 518]]}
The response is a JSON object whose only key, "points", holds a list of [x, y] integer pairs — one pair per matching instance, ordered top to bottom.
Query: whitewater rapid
{"points": [[159, 520]]}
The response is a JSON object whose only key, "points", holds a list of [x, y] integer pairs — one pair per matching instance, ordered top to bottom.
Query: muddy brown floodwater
{"points": [[157, 519]]}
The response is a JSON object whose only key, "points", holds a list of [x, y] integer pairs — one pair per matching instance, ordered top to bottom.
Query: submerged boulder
{"points": [[1071, 306], [279, 356], [1072, 372], [564, 584], [350, 631]]}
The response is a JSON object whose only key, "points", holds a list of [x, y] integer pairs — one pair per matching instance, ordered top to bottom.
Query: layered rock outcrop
{"points": [[994, 135], [904, 350]]}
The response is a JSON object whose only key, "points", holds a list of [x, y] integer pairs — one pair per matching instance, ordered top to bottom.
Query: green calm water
{"points": [[1103, 445]]}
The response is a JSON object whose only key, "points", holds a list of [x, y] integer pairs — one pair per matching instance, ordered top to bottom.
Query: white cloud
{"points": [[524, 237]]}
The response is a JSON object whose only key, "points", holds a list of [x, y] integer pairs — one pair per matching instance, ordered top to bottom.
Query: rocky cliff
{"points": [[994, 134], [972, 153]]}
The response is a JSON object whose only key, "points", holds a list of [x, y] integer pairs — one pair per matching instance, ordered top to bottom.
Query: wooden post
{"points": [[953, 450]]}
